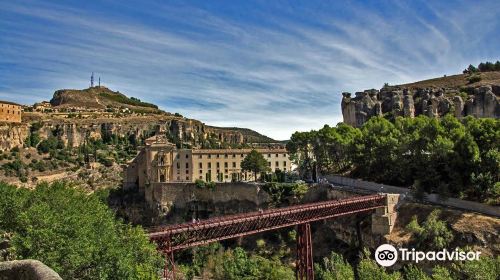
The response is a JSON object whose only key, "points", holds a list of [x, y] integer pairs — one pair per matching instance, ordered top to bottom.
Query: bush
{"points": [[474, 79], [200, 183], [75, 234], [432, 234], [334, 268]]}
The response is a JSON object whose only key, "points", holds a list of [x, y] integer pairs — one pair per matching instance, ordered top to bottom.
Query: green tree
{"points": [[255, 162], [75, 233], [432, 234], [334, 268], [368, 269], [482, 269], [412, 272], [441, 273]]}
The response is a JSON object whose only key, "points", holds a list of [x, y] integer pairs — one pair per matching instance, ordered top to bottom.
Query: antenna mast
{"points": [[92, 80]]}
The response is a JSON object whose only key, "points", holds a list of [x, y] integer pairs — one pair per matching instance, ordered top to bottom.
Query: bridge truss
{"points": [[181, 236]]}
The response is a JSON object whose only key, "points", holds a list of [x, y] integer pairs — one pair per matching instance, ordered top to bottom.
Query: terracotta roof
{"points": [[10, 103]]}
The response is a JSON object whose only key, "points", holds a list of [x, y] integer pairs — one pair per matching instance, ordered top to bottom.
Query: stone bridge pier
{"points": [[384, 218]]}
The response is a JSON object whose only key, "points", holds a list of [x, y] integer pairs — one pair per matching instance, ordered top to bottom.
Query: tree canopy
{"points": [[447, 156], [255, 162], [75, 234]]}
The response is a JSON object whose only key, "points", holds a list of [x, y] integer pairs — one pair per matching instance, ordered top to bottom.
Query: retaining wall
{"points": [[430, 198]]}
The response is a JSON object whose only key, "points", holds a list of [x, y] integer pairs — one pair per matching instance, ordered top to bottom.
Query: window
{"points": [[218, 155], [225, 155], [234, 155], [268, 155], [277, 155], [178, 156], [187, 156], [200, 156], [209, 156], [277, 163], [284, 163], [187, 164], [218, 164], [225, 164], [234, 164], [269, 164], [178, 165], [200, 165], [209, 165], [225, 170], [187, 171], [201, 171], [227, 176], [201, 177], [178, 178], [187, 178]]}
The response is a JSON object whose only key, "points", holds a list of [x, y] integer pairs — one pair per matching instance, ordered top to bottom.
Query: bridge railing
{"points": [[175, 237]]}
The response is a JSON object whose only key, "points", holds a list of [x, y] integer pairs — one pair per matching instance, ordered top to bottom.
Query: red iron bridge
{"points": [[181, 236]]}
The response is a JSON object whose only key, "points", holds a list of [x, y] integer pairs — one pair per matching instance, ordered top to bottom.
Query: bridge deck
{"points": [[180, 236]]}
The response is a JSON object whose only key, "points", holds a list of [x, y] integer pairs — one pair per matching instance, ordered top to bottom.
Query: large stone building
{"points": [[10, 112], [161, 162]]}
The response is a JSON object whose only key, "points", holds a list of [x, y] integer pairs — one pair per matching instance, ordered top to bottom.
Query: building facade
{"points": [[10, 112], [161, 162]]}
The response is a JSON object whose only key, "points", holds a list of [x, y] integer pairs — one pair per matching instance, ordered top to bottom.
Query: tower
{"points": [[92, 80], [99, 81]]}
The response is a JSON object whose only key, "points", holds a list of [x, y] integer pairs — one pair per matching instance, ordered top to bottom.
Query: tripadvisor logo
{"points": [[387, 255]]}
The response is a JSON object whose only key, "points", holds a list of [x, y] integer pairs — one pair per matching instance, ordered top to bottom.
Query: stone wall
{"points": [[431, 198]]}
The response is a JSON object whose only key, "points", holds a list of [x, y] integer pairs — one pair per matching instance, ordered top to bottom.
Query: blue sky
{"points": [[272, 66]]}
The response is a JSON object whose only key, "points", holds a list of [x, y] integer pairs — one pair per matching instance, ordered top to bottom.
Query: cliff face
{"points": [[478, 101], [74, 131], [12, 135]]}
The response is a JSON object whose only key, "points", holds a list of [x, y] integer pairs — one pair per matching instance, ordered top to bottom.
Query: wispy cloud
{"points": [[273, 67]]}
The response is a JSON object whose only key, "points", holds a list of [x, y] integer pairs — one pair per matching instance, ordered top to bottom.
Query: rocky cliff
{"points": [[480, 99], [73, 131]]}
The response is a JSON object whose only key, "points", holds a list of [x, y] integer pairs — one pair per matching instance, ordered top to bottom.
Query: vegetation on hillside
{"points": [[483, 67], [120, 98], [445, 156], [75, 234]]}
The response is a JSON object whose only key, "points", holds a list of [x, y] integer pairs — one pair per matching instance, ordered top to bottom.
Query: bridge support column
{"points": [[304, 263], [169, 269]]}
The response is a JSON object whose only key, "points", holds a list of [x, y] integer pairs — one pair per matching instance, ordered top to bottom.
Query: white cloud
{"points": [[275, 78]]}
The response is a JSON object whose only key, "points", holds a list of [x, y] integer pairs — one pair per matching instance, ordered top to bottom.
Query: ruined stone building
{"points": [[10, 112], [161, 162]]}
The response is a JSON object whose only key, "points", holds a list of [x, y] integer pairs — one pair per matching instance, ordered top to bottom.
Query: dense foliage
{"points": [[483, 67], [445, 156], [255, 162], [75, 234], [432, 234], [213, 262]]}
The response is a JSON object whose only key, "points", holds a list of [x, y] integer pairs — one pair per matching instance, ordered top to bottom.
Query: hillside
{"points": [[455, 81], [471, 94], [99, 98], [251, 136]]}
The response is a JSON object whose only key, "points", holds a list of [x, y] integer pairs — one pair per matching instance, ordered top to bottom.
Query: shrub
{"points": [[474, 79], [200, 183], [75, 234], [432, 234], [334, 268]]}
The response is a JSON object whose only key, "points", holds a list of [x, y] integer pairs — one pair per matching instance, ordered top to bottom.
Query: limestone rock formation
{"points": [[479, 101]]}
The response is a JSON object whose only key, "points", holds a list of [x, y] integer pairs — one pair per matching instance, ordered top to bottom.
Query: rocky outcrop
{"points": [[481, 101], [73, 132], [12, 135], [27, 270]]}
